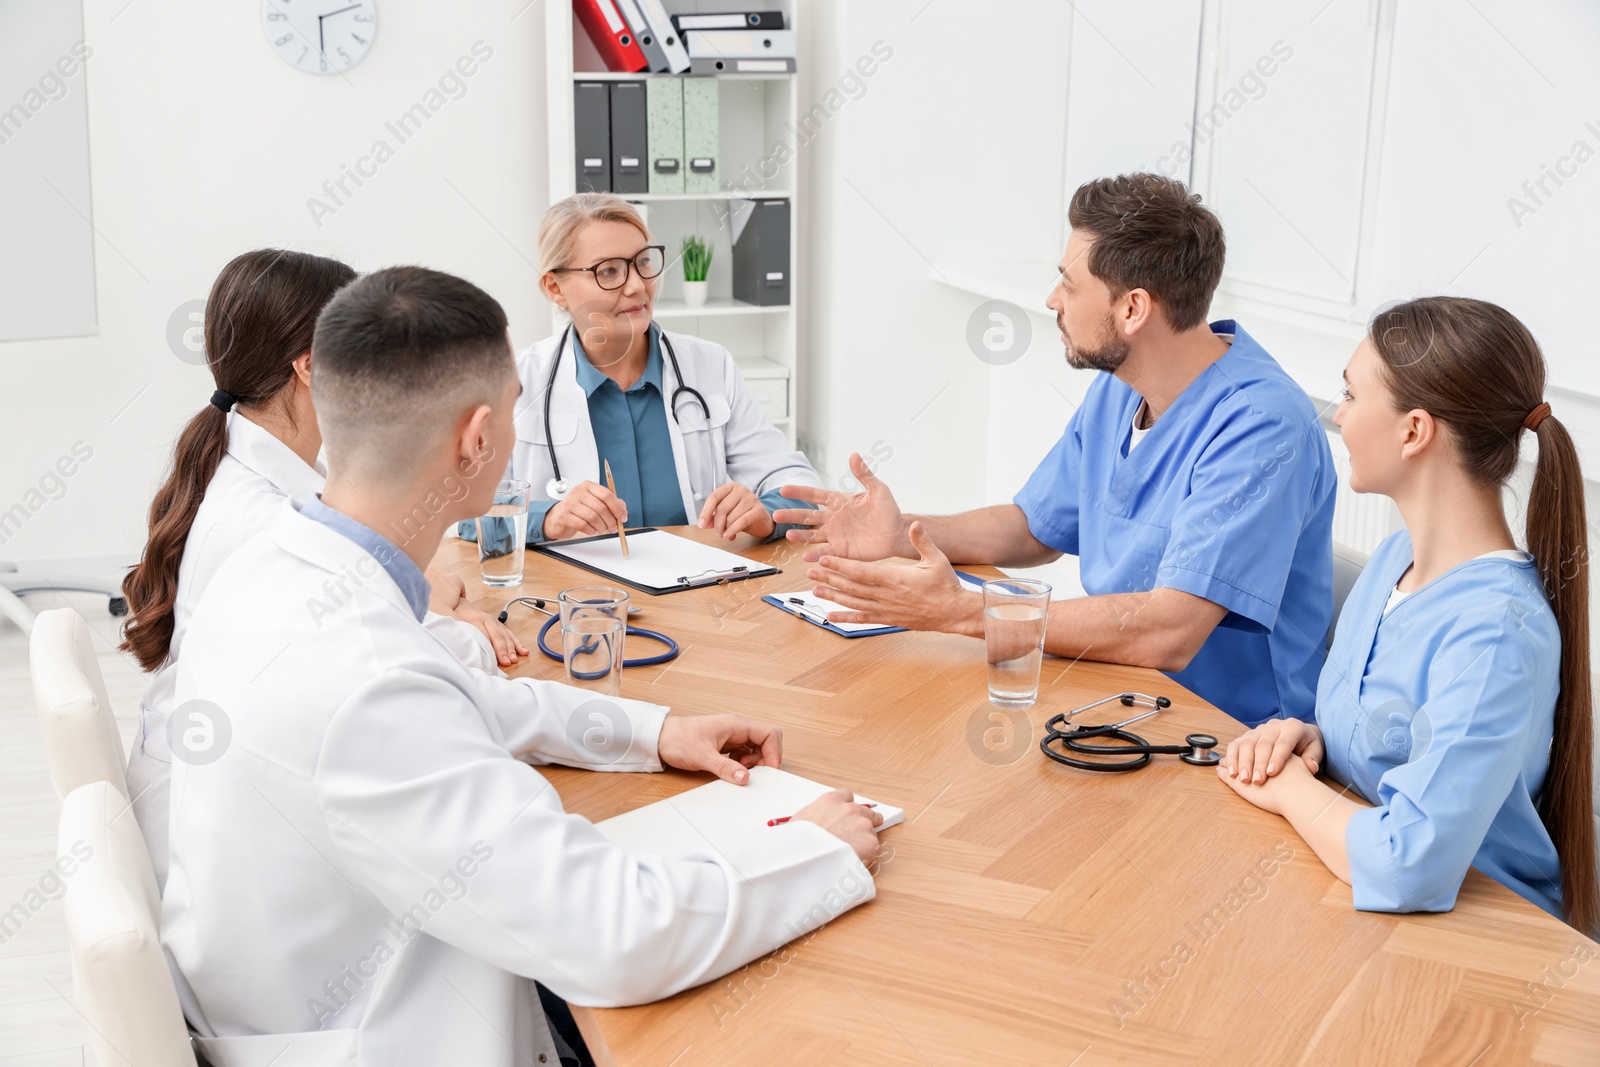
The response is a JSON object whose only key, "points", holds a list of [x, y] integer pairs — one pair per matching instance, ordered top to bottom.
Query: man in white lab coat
{"points": [[361, 871]]}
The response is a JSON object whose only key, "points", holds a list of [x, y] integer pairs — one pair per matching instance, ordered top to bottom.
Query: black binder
{"points": [[591, 136], [629, 138], [761, 254]]}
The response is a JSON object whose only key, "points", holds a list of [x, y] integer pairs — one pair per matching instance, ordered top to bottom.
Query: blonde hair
{"points": [[558, 233]]}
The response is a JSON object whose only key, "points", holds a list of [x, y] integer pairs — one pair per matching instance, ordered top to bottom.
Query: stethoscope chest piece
{"points": [[556, 488], [1202, 751]]}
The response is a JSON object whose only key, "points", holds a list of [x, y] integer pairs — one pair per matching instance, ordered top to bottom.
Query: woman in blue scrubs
{"points": [[1456, 696]]}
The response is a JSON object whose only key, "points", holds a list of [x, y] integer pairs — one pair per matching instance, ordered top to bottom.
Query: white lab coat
{"points": [[737, 443], [257, 473], [366, 767]]}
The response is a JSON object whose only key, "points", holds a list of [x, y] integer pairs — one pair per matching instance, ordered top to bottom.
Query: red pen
{"points": [[786, 818]]}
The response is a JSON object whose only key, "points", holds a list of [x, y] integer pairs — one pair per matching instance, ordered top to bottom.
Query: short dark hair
{"points": [[1151, 233], [396, 353]]}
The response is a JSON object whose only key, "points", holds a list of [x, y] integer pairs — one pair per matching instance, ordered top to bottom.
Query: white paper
{"points": [[656, 558], [818, 608], [670, 828]]}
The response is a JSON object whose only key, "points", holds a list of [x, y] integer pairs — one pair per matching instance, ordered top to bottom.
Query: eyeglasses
{"points": [[613, 273]]}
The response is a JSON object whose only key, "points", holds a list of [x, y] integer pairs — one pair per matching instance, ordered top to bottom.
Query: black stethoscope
{"points": [[556, 488], [590, 643], [1197, 749]]}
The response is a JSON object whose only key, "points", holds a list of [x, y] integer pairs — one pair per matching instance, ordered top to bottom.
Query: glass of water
{"points": [[503, 536], [1014, 615], [594, 625]]}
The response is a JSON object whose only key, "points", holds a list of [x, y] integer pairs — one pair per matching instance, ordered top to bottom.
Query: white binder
{"points": [[666, 35]]}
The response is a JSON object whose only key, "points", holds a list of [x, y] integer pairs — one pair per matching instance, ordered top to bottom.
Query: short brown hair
{"points": [[1151, 233], [395, 357]]}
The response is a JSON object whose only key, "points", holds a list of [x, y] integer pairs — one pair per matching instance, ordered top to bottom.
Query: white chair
{"points": [[1347, 566], [14, 585], [80, 733], [113, 918]]}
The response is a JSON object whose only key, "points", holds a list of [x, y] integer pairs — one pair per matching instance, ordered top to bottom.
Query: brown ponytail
{"points": [[258, 320], [1476, 368], [1557, 535]]}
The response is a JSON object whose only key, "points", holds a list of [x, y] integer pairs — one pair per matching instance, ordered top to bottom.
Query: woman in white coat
{"points": [[686, 441], [236, 462]]}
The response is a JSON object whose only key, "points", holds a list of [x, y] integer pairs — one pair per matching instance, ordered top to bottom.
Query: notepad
{"points": [[658, 561], [670, 828]]}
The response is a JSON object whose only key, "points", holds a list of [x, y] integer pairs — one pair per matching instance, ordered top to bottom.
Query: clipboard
{"points": [[706, 565], [811, 615]]}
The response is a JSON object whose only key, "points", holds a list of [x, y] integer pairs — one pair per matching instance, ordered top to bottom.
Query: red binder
{"points": [[611, 36]]}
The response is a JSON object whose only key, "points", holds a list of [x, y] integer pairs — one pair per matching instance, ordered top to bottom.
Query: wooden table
{"points": [[1030, 913]]}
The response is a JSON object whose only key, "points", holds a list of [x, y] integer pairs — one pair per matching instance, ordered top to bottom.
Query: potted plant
{"points": [[696, 265]]}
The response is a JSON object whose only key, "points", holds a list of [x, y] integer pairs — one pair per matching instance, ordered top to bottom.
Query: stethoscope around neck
{"points": [[557, 487], [1197, 749]]}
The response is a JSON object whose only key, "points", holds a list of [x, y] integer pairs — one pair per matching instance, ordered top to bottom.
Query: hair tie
{"points": [[223, 399], [1536, 416]]}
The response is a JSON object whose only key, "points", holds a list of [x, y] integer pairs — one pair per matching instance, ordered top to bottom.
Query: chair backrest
{"points": [[1347, 565], [80, 733], [113, 923]]}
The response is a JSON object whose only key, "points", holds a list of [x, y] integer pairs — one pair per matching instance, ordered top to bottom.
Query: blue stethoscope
{"points": [[556, 488], [590, 643]]}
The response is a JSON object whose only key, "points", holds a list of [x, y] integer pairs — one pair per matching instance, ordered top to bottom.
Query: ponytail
{"points": [[259, 319], [1476, 368], [1557, 536], [151, 587]]}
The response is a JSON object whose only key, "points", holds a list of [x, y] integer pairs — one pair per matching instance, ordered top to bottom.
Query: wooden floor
{"points": [[39, 1025]]}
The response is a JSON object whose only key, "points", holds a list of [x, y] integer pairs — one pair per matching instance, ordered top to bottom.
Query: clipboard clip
{"points": [[713, 577]]}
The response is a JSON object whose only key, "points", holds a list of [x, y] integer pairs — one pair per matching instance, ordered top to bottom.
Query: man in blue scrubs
{"points": [[1194, 483]]}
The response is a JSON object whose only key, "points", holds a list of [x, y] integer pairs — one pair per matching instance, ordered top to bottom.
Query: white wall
{"points": [[204, 144], [953, 154], [948, 164]]}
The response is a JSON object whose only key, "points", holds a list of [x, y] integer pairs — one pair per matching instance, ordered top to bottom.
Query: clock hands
{"points": [[321, 48]]}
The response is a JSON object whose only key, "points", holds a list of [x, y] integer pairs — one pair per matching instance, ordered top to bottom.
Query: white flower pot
{"points": [[694, 293]]}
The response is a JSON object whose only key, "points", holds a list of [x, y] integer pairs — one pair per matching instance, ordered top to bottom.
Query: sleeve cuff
{"points": [[537, 510], [1044, 532], [1219, 592], [1371, 880]]}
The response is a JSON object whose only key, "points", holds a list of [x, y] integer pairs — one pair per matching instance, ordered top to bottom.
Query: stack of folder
{"points": [[633, 36], [653, 136]]}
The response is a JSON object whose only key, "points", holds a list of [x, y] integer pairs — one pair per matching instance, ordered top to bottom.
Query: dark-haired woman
{"points": [[251, 448], [1456, 697]]}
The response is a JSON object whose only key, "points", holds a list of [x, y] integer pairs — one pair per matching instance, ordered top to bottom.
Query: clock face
{"points": [[320, 36]]}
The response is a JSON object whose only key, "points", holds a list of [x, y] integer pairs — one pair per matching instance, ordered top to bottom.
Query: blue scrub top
{"points": [[1229, 497], [1441, 714]]}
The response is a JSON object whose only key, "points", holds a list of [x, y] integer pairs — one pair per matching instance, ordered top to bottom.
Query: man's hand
{"points": [[587, 508], [732, 509], [865, 525], [924, 596], [725, 745], [837, 812]]}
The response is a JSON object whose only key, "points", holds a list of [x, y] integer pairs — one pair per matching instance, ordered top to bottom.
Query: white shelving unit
{"points": [[756, 112]]}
